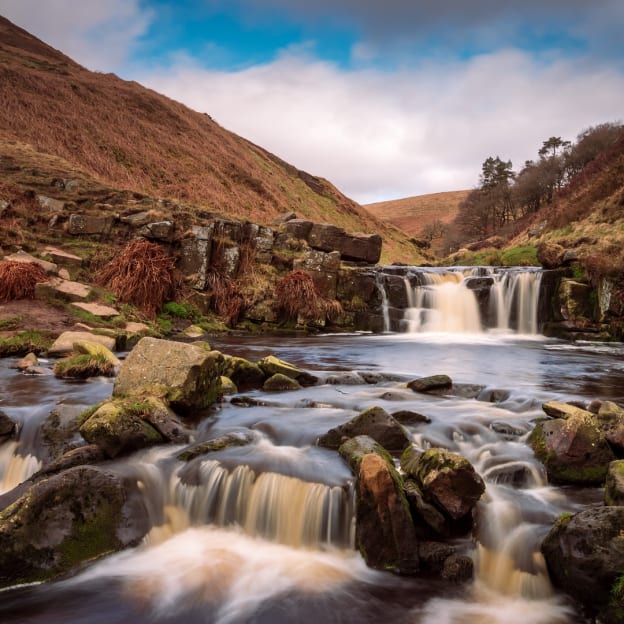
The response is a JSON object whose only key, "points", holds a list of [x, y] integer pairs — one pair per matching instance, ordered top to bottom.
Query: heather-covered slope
{"points": [[130, 137]]}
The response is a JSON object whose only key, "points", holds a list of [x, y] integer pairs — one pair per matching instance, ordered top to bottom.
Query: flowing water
{"points": [[264, 533]]}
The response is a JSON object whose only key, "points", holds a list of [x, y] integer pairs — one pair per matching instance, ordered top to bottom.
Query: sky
{"points": [[386, 99]]}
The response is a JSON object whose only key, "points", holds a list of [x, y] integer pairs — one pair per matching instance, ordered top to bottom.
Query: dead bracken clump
{"points": [[142, 274], [18, 279], [297, 296], [226, 298]]}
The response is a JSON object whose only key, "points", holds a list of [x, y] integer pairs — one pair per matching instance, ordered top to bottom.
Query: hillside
{"points": [[129, 137], [412, 214]]}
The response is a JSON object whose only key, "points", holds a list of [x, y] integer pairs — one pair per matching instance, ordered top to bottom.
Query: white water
{"points": [[444, 303]]}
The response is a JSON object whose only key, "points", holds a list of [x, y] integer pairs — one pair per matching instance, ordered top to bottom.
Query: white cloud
{"points": [[98, 34], [380, 135]]}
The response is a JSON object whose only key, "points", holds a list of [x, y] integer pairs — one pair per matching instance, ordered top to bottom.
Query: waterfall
{"points": [[514, 299], [471, 300], [384, 301], [283, 509]]}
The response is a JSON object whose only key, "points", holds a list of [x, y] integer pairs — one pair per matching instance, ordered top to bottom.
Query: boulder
{"points": [[81, 224], [357, 247], [59, 256], [59, 288], [96, 309], [64, 344], [90, 347], [28, 361], [270, 365], [84, 366], [245, 374], [187, 375], [280, 383], [431, 383], [557, 409], [408, 417], [374, 422], [120, 427], [216, 444], [355, 448], [573, 451], [88, 454], [446, 479], [614, 484], [67, 520], [429, 521], [384, 531], [585, 557]]}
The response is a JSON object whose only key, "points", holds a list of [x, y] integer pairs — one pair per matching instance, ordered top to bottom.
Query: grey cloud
{"points": [[460, 21]]}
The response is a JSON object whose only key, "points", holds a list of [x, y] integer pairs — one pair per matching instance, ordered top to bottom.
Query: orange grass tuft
{"points": [[143, 275], [18, 279], [297, 296], [226, 298]]}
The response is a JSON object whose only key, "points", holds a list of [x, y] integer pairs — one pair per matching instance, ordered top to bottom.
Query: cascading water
{"points": [[471, 300], [283, 509]]}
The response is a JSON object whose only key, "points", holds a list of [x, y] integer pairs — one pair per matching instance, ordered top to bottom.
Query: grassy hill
{"points": [[126, 136], [412, 214]]}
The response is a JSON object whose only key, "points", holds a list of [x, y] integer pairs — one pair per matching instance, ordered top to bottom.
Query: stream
{"points": [[264, 533]]}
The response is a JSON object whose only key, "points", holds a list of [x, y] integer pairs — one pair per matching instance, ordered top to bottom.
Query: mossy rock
{"points": [[96, 349], [272, 365], [84, 366], [245, 374], [187, 375], [280, 383], [432, 383], [228, 386], [374, 422], [119, 427], [355, 448], [574, 451], [445, 478], [67, 520]]}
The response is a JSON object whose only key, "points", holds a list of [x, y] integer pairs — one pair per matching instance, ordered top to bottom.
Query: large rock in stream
{"points": [[188, 376], [374, 422], [121, 426], [573, 450], [446, 479], [66, 520], [384, 531], [585, 558]]}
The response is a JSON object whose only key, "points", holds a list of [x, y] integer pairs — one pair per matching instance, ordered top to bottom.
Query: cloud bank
{"points": [[379, 135]]}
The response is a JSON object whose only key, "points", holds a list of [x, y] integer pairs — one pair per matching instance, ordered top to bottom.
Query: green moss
{"points": [[520, 256], [179, 310], [10, 323], [21, 343], [86, 414], [214, 445], [90, 539], [617, 593]]}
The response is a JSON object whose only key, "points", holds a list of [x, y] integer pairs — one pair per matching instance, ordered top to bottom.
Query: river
{"points": [[264, 533]]}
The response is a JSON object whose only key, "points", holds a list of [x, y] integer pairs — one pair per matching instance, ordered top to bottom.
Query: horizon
{"points": [[386, 102]]}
